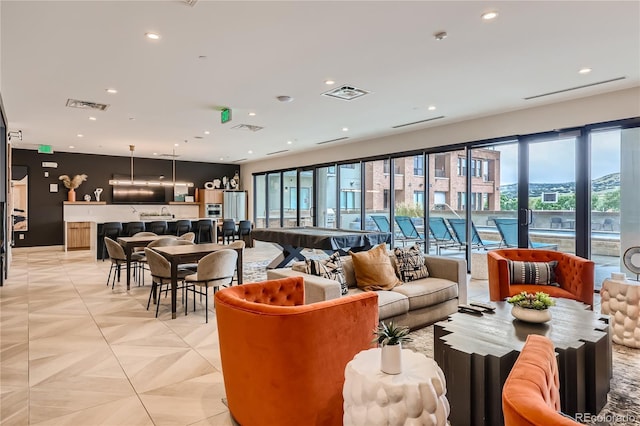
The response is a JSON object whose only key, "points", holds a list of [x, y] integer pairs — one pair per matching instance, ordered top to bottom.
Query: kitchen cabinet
{"points": [[213, 196], [78, 235]]}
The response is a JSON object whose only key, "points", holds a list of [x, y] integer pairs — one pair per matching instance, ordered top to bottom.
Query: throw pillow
{"points": [[410, 263], [330, 268], [373, 269], [541, 273]]}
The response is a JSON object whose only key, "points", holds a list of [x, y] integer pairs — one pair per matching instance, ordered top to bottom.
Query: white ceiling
{"points": [[243, 55]]}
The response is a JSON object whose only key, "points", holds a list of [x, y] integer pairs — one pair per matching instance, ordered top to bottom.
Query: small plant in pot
{"points": [[531, 307], [390, 338]]}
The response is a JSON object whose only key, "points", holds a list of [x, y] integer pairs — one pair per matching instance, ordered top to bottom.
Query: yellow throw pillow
{"points": [[374, 270]]}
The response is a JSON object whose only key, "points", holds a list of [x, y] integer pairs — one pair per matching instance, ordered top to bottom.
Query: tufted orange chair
{"points": [[574, 274], [283, 362], [531, 393]]}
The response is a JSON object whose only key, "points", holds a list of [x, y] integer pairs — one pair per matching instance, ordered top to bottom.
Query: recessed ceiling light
{"points": [[487, 16], [440, 35], [152, 36], [585, 70], [329, 82], [112, 91], [284, 98], [431, 108], [252, 114], [92, 118], [132, 118], [345, 129], [206, 132], [80, 135], [289, 142], [176, 144], [71, 146], [250, 152], [155, 153], [221, 158]]}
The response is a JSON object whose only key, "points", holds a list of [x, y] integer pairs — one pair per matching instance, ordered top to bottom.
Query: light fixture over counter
{"points": [[148, 182]]}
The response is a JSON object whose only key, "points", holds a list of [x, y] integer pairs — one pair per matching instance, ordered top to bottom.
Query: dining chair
{"points": [[159, 227], [183, 227], [133, 228], [110, 230], [204, 231], [228, 231], [189, 236], [118, 258], [214, 270], [161, 277]]}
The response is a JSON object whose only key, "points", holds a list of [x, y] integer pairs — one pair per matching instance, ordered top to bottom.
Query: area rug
{"points": [[623, 405]]}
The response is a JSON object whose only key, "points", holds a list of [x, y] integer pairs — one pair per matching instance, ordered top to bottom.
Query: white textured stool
{"points": [[621, 301], [414, 397]]}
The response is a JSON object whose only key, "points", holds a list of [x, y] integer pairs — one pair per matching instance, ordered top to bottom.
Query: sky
{"points": [[554, 161]]}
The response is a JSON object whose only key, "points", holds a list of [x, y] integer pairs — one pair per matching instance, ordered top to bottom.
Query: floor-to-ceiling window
{"points": [[377, 187], [350, 194], [409, 195], [273, 196], [327, 196], [290, 198], [260, 201]]}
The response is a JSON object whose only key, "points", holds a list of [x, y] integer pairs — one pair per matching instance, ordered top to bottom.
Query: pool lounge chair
{"points": [[383, 225], [459, 228], [508, 228], [409, 231], [441, 235]]}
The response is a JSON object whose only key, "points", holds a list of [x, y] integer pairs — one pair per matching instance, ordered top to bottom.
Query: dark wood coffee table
{"points": [[476, 354]]}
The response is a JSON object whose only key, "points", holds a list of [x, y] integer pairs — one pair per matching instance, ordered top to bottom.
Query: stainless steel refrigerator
{"points": [[234, 205]]}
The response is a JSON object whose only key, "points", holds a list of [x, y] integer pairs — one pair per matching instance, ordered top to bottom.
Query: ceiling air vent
{"points": [[190, 2], [573, 88], [346, 93], [74, 103], [417, 122], [248, 127], [332, 140], [277, 152], [169, 155], [237, 161]]}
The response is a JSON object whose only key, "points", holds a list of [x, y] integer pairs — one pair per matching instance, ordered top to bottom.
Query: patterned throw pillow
{"points": [[410, 263], [330, 268], [541, 273]]}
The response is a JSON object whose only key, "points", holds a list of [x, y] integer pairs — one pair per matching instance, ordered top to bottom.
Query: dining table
{"points": [[129, 244], [177, 255]]}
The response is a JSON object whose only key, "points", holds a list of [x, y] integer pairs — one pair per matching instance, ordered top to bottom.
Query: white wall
{"points": [[594, 109]]}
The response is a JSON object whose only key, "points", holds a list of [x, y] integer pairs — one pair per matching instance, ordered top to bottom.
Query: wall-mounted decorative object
{"points": [[71, 184], [53, 187]]}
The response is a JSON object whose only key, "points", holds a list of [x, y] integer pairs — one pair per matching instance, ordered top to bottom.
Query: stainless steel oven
{"points": [[213, 211]]}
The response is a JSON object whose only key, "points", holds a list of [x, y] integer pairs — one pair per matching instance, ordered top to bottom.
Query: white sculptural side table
{"points": [[621, 301], [415, 396]]}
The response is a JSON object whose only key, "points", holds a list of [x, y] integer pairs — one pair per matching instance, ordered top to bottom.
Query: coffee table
{"points": [[476, 354]]}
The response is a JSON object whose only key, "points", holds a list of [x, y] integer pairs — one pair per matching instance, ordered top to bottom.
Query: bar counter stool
{"points": [[158, 227], [182, 227], [134, 228], [204, 228], [110, 230], [228, 230]]}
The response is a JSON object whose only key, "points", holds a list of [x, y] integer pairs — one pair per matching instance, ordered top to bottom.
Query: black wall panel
{"points": [[45, 208]]}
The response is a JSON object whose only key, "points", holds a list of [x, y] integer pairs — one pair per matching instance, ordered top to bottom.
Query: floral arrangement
{"points": [[72, 183], [539, 301], [390, 334]]}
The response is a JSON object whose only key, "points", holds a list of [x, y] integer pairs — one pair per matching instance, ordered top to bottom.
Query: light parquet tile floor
{"points": [[75, 352]]}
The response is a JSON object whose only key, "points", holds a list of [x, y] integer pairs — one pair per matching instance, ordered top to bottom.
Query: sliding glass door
{"points": [[327, 197]]}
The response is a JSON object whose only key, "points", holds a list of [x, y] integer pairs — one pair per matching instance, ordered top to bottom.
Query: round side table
{"points": [[621, 301], [415, 396]]}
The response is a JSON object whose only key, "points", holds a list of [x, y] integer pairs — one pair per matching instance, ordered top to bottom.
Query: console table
{"points": [[415, 396]]}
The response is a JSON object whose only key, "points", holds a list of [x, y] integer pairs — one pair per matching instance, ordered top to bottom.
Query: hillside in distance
{"points": [[602, 184]]}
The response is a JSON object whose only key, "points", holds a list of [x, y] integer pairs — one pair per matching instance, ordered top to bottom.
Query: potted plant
{"points": [[71, 184], [531, 307], [390, 338]]}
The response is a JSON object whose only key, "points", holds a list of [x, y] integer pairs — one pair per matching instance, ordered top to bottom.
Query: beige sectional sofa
{"points": [[413, 304]]}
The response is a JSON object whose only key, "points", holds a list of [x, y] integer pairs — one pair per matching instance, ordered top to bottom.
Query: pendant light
{"points": [[134, 182]]}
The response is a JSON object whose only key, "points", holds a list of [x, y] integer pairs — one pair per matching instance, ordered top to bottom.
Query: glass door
{"points": [[350, 196], [327, 197], [305, 198], [274, 199], [290, 199], [550, 214]]}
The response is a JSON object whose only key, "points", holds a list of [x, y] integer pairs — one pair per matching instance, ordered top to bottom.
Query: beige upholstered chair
{"points": [[189, 236], [238, 244], [118, 258], [214, 270], [161, 277]]}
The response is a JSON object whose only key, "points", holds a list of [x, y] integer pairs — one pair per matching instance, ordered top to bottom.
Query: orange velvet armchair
{"points": [[574, 274], [283, 362], [531, 393]]}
